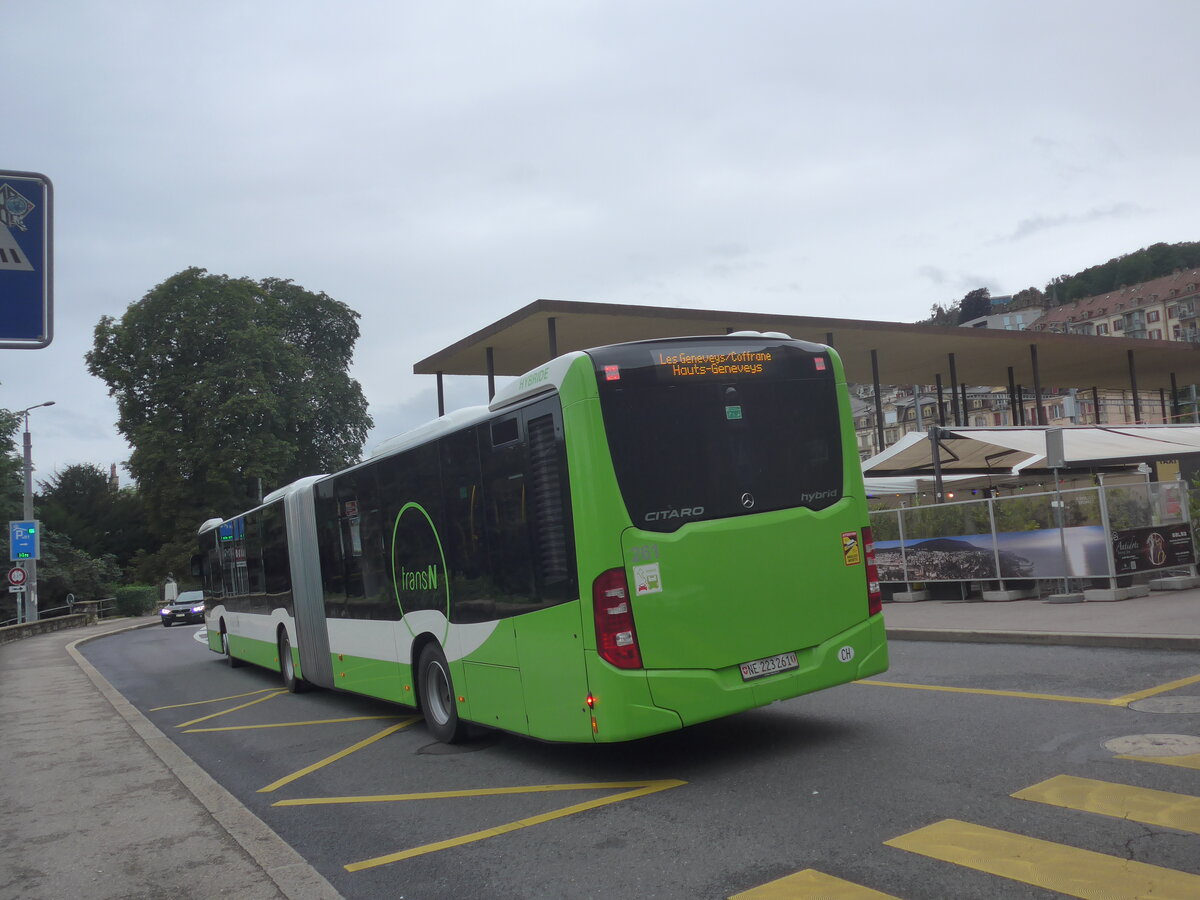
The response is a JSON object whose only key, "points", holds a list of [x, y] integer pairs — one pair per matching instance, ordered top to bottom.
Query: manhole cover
{"points": [[1167, 705], [1154, 745]]}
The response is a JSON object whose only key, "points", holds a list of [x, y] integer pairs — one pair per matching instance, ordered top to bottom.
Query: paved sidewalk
{"points": [[1164, 620], [97, 804]]}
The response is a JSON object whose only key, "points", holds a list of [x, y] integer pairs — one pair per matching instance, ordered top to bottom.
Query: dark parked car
{"points": [[187, 607]]}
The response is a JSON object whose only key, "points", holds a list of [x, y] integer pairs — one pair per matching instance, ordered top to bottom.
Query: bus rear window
{"points": [[707, 428]]}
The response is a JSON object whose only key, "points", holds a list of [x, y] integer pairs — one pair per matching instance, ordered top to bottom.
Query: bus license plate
{"points": [[760, 668]]}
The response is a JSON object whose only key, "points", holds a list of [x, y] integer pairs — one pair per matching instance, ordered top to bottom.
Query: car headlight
{"points": [[199, 608], [164, 612]]}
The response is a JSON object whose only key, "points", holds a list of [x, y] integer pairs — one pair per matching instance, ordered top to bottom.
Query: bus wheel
{"points": [[233, 661], [287, 668], [436, 689]]}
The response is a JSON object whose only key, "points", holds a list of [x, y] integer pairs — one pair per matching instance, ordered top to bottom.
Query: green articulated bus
{"points": [[625, 541]]}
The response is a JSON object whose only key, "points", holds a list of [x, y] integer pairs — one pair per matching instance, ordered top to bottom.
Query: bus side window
{"points": [[504, 504], [551, 510], [471, 590]]}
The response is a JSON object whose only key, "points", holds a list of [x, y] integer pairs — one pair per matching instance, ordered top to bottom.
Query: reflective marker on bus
{"points": [[705, 491]]}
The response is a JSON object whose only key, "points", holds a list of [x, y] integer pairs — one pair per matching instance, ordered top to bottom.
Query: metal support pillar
{"points": [[552, 335], [829, 338], [491, 373], [954, 392], [441, 396], [1012, 397], [878, 401], [941, 402], [1137, 402], [1162, 403], [1096, 404], [1020, 405], [1176, 412], [1039, 413], [966, 419]]}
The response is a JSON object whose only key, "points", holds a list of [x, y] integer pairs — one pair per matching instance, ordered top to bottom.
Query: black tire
{"points": [[166, 623], [234, 662], [287, 668], [435, 688]]}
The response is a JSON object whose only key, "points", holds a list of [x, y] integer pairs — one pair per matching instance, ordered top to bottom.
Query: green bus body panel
{"points": [[734, 590], [550, 650], [260, 653], [381, 678], [699, 695], [495, 696], [624, 709]]}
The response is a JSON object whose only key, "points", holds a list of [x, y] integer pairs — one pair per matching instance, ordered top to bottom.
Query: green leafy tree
{"points": [[974, 304], [228, 386], [12, 468], [80, 504]]}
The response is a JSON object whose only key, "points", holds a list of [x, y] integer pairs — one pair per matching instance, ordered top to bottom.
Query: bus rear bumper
{"points": [[698, 695]]}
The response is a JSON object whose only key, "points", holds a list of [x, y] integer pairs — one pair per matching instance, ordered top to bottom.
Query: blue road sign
{"points": [[26, 260], [24, 541]]}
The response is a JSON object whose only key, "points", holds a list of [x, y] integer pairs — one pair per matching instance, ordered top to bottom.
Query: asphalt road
{"points": [[817, 783]]}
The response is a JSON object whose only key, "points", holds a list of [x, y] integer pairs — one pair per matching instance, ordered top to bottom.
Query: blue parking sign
{"points": [[26, 260], [24, 541]]}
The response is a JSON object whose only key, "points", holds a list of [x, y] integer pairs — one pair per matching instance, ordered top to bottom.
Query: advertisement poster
{"points": [[1154, 547], [1022, 554]]}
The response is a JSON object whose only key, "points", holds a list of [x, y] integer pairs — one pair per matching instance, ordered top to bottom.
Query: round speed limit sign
{"points": [[16, 576]]}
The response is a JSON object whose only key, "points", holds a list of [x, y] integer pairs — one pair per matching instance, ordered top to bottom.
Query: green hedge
{"points": [[135, 599]]}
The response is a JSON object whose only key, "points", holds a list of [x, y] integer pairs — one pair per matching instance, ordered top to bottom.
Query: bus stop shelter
{"points": [[872, 352]]}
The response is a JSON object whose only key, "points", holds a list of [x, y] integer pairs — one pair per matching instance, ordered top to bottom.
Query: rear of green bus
{"points": [[727, 544]]}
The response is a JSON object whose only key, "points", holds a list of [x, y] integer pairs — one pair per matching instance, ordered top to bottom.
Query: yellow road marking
{"points": [[1150, 692], [991, 693], [215, 699], [231, 709], [286, 724], [341, 754], [1192, 761], [640, 789], [477, 792], [1150, 807], [1056, 867], [811, 883]]}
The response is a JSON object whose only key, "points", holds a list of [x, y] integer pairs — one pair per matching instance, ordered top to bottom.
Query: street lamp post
{"points": [[31, 604]]}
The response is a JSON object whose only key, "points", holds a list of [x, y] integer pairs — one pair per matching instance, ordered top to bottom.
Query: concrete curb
{"points": [[1079, 639], [294, 877]]}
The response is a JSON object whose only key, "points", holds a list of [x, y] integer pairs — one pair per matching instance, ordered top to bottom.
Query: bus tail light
{"points": [[874, 594], [616, 638]]}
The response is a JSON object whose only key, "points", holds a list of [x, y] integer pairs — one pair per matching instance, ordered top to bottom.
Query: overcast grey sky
{"points": [[436, 165]]}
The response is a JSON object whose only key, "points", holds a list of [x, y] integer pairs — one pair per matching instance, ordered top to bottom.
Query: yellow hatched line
{"points": [[1150, 692], [1025, 695], [215, 699], [231, 709], [287, 724], [342, 754], [1191, 761], [640, 789], [477, 792], [1150, 807], [1055, 867], [811, 883]]}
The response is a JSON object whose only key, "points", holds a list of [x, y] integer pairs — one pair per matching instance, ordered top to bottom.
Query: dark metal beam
{"points": [[552, 335], [491, 373], [954, 392], [441, 396], [1012, 397], [878, 401], [941, 402], [1137, 402], [1039, 413]]}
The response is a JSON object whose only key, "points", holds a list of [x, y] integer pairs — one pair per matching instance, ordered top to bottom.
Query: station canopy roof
{"points": [[904, 354], [1015, 450]]}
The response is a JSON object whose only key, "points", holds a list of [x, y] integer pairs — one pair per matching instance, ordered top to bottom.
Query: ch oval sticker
{"points": [[845, 654]]}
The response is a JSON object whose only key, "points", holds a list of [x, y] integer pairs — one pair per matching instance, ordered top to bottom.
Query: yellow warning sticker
{"points": [[850, 549]]}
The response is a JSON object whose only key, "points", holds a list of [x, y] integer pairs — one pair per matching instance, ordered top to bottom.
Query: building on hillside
{"points": [[1164, 309], [1016, 320]]}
